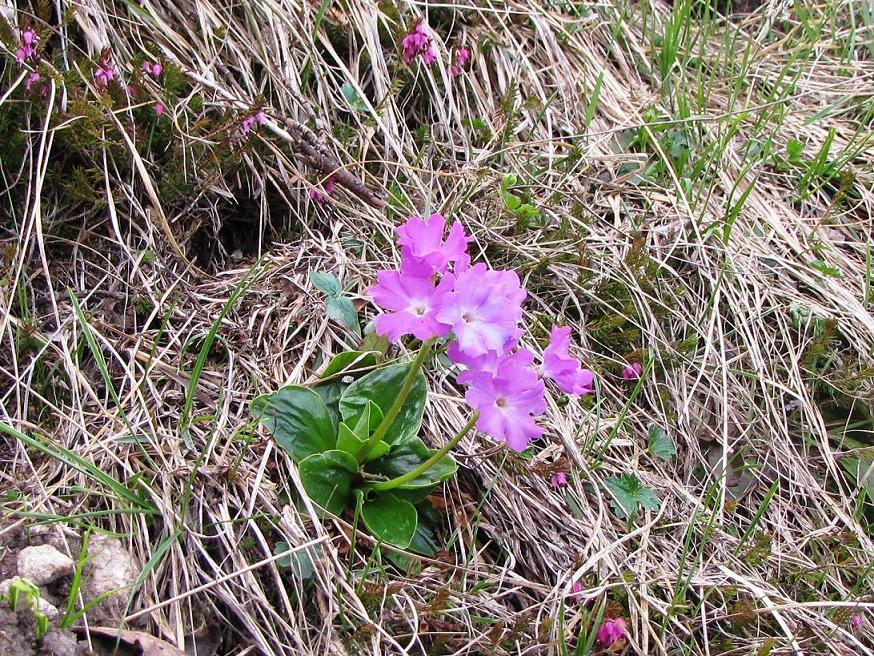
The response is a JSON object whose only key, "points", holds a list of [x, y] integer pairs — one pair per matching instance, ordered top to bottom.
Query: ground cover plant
{"points": [[431, 328]]}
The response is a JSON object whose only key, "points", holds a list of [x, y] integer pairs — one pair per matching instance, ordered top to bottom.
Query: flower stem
{"points": [[403, 393], [430, 462]]}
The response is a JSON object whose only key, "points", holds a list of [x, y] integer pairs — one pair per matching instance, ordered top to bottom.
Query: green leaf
{"points": [[352, 97], [794, 148], [511, 201], [827, 269], [327, 283], [342, 310], [349, 360], [382, 387], [330, 394], [298, 419], [351, 443], [660, 445], [405, 456], [327, 478], [631, 494], [390, 520], [300, 561]]}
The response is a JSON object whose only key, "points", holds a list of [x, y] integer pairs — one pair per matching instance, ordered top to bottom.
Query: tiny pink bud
{"points": [[157, 69], [159, 109], [576, 592], [856, 621]]}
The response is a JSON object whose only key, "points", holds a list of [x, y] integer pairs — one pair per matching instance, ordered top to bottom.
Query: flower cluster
{"points": [[418, 43], [28, 47], [461, 58], [105, 71], [437, 293], [632, 372]]}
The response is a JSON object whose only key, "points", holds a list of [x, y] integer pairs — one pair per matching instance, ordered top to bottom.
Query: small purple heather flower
{"points": [[416, 43], [28, 47], [461, 58], [154, 69], [105, 71], [33, 78], [159, 109], [249, 122], [321, 197], [423, 250], [412, 301], [483, 310], [560, 367], [632, 371], [507, 400], [558, 480], [576, 592], [856, 621], [612, 630]]}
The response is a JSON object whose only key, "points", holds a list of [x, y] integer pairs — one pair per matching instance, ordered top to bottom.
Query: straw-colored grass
{"points": [[703, 183]]}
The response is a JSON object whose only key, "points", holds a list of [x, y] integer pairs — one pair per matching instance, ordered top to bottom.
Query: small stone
{"points": [[43, 565], [112, 570]]}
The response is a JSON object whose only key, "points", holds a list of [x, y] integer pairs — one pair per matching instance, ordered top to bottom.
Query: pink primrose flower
{"points": [[423, 250], [412, 302], [483, 310], [560, 367], [507, 401]]}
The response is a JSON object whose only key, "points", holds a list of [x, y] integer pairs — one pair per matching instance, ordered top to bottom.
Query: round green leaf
{"points": [[382, 387], [298, 419], [406, 456], [327, 478], [390, 519]]}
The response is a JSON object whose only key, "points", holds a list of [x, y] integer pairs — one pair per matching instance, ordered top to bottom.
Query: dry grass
{"points": [[761, 364]]}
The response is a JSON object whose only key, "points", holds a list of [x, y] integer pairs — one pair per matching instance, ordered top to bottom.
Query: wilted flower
{"points": [[416, 43], [423, 250], [412, 301], [483, 310], [560, 367], [632, 371], [507, 400], [559, 479], [611, 630]]}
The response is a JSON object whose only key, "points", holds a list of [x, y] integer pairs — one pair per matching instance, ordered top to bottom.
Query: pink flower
{"points": [[416, 43], [28, 47], [461, 58], [153, 69], [105, 71], [32, 79], [159, 109], [249, 122], [321, 197], [423, 250], [413, 302], [483, 310], [559, 366], [632, 371], [507, 400], [558, 480], [856, 621], [611, 630]]}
